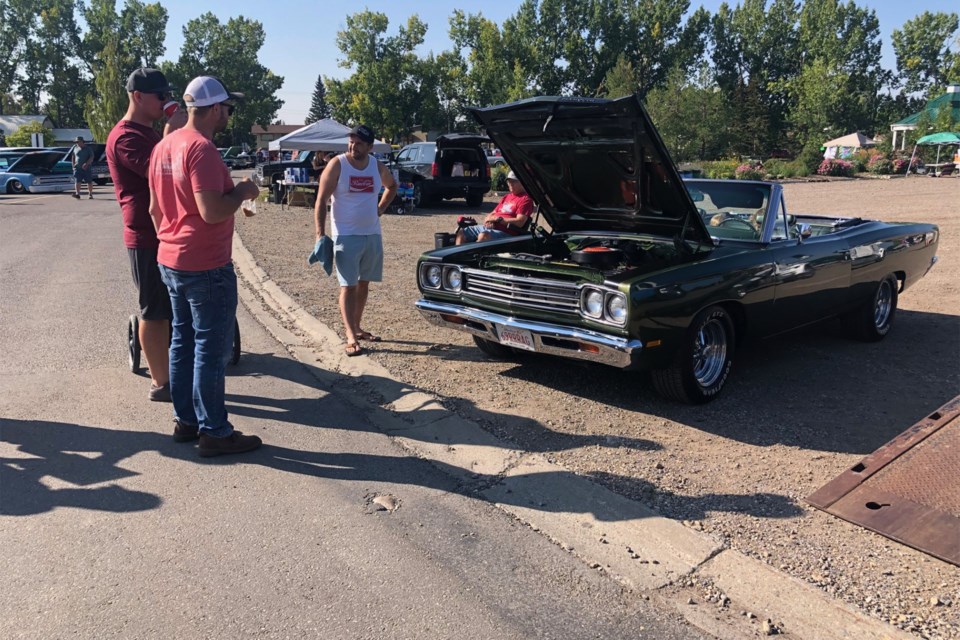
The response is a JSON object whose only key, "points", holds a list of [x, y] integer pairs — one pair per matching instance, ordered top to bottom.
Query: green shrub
{"points": [[810, 158], [860, 159], [880, 165], [720, 169], [498, 177]]}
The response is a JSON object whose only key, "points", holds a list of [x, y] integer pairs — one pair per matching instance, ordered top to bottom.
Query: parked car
{"points": [[494, 157], [236, 158], [455, 166], [36, 172], [270, 172], [640, 270]]}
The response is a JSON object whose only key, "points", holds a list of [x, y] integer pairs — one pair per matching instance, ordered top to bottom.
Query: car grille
{"points": [[520, 291]]}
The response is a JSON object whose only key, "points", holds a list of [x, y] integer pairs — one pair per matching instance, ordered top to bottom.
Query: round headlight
{"points": [[431, 276], [452, 279], [593, 303], [617, 308]]}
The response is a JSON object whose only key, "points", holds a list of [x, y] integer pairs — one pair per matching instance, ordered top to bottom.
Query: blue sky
{"points": [[301, 34]]}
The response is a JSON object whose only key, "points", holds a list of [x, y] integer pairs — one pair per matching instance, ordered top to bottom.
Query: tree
{"points": [[17, 18], [922, 47], [230, 51], [620, 80], [384, 90], [318, 106], [105, 109], [692, 115], [21, 137]]}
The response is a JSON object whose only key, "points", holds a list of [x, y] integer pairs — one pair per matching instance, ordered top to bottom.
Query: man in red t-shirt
{"points": [[129, 146], [193, 201], [509, 218]]}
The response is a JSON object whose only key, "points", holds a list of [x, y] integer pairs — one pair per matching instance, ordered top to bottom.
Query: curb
{"points": [[642, 550]]}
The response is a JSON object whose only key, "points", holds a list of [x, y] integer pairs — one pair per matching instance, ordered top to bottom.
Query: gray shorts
{"points": [[83, 175], [358, 258], [153, 296]]}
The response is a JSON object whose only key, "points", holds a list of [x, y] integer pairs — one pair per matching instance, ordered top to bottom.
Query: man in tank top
{"points": [[351, 182]]}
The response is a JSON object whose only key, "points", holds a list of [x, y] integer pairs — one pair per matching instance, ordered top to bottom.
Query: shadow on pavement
{"points": [[84, 456]]}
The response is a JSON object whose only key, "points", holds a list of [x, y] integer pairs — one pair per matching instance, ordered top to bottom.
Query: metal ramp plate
{"points": [[908, 489]]}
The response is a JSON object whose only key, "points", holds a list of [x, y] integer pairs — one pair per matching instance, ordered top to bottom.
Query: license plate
{"points": [[519, 338]]}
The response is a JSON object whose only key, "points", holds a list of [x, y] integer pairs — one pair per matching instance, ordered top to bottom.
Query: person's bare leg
{"points": [[90, 188], [459, 236], [483, 237], [363, 290], [348, 298], [155, 342]]}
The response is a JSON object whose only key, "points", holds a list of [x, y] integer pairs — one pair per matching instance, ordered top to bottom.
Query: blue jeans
{"points": [[204, 311]]}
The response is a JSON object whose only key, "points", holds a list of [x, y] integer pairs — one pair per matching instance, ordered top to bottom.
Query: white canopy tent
{"points": [[322, 135], [844, 146]]}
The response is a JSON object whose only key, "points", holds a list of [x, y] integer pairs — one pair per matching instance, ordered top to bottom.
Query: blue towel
{"points": [[323, 253]]}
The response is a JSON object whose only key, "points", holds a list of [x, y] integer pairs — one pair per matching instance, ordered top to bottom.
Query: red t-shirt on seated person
{"points": [[128, 156], [182, 164], [510, 207]]}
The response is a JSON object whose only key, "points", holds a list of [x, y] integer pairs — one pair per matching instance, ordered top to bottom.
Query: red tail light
{"points": [[434, 170], [488, 172]]}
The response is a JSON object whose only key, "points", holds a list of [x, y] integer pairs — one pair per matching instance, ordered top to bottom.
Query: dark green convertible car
{"points": [[630, 266]]}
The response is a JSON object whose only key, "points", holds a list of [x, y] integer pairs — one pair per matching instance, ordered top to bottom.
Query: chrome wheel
{"points": [[884, 305], [710, 353]]}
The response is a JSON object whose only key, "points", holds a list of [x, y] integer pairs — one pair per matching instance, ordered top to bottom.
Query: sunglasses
{"points": [[162, 96]]}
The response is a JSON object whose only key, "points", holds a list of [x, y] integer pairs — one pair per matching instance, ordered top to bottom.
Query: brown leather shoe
{"points": [[184, 432], [236, 442]]}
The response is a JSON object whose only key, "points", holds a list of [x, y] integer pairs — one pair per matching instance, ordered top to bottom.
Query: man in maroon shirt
{"points": [[129, 146]]}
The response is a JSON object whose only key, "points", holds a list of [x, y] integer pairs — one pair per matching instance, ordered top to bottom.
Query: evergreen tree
{"points": [[319, 109]]}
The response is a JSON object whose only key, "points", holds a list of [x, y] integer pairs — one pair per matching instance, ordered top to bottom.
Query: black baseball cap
{"points": [[148, 80], [363, 132]]}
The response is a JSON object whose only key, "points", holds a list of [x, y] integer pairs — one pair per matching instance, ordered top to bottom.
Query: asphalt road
{"points": [[110, 529]]}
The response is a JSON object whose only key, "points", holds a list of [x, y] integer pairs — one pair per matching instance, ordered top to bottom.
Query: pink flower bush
{"points": [[832, 167], [749, 172]]}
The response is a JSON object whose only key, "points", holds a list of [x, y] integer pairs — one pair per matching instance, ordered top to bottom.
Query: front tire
{"points": [[15, 186], [417, 194], [873, 321], [493, 349], [703, 362]]}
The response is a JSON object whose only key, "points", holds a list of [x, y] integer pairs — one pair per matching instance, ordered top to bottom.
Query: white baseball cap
{"points": [[204, 91], [512, 176]]}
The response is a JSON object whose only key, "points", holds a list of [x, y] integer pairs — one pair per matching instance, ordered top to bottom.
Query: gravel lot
{"points": [[798, 410]]}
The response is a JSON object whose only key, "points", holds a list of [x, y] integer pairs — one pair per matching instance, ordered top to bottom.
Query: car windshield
{"points": [[731, 210]]}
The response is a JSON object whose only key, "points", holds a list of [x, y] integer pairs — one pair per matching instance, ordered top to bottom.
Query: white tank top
{"points": [[353, 210]]}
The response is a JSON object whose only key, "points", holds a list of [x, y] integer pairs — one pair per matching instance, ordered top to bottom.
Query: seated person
{"points": [[509, 218]]}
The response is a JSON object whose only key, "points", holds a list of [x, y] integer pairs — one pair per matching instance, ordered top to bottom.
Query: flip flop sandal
{"points": [[366, 335], [353, 349]]}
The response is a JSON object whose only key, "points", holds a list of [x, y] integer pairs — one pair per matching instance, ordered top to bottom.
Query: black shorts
{"points": [[154, 297]]}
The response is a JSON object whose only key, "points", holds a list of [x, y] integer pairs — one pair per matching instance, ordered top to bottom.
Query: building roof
{"points": [[950, 100], [10, 124], [282, 129], [69, 135]]}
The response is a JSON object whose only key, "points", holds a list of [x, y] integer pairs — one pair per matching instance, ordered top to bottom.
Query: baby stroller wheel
{"points": [[133, 343], [235, 355]]}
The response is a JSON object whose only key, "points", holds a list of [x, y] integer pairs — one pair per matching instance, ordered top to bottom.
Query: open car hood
{"points": [[37, 160], [594, 164]]}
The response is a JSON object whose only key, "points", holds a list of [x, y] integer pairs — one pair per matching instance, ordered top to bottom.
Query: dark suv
{"points": [[455, 166]]}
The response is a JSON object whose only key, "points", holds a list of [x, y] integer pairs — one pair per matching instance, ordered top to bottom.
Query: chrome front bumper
{"points": [[554, 339]]}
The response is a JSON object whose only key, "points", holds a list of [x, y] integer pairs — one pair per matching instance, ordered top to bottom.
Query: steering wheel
{"points": [[740, 222]]}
